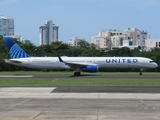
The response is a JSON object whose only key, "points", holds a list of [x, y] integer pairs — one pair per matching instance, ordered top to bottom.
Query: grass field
{"points": [[77, 81]]}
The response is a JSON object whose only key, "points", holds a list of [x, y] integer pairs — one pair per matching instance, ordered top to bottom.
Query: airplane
{"points": [[89, 64]]}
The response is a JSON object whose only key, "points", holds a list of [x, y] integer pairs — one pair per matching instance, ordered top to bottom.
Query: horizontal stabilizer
{"points": [[11, 61]]}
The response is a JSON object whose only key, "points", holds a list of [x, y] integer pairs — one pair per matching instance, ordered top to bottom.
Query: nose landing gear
{"points": [[141, 72]]}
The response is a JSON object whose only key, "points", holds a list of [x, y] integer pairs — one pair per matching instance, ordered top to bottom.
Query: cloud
{"points": [[7, 2]]}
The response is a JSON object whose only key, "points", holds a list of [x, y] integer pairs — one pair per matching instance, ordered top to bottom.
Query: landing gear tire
{"points": [[141, 72], [77, 73]]}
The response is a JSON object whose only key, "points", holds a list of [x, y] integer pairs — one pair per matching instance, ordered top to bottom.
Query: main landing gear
{"points": [[141, 72], [77, 73]]}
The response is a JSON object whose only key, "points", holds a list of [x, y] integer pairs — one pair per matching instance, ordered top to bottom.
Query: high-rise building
{"points": [[6, 26], [48, 33]]}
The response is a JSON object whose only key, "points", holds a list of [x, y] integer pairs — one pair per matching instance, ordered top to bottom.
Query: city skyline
{"points": [[82, 18]]}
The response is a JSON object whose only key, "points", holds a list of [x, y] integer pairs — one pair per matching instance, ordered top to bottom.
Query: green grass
{"points": [[79, 82]]}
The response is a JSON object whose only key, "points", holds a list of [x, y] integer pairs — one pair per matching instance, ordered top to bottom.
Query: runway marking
{"points": [[16, 76], [55, 80]]}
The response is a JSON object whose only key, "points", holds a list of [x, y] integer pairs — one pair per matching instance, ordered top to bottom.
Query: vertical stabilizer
{"points": [[14, 49]]}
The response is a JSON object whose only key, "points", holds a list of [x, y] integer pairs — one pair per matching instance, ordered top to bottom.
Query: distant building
{"points": [[6, 26], [48, 33], [137, 36], [129, 37], [21, 39], [26, 41], [74, 41], [99, 41], [126, 43], [152, 43]]}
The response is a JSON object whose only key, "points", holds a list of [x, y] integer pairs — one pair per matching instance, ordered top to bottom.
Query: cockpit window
{"points": [[151, 61]]}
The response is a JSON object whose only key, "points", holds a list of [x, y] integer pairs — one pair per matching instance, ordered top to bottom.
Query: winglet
{"points": [[14, 49], [60, 59]]}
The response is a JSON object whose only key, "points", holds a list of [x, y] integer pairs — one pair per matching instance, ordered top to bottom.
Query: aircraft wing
{"points": [[76, 64]]}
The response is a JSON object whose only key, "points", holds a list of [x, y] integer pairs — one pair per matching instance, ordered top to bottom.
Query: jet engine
{"points": [[91, 68]]}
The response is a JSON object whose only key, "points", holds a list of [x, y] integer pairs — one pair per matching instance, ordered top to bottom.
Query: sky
{"points": [[82, 18]]}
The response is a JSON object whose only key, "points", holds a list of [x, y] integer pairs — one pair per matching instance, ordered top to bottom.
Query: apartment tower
{"points": [[6, 26], [48, 33]]}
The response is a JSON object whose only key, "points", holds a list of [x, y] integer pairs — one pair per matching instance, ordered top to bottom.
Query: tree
{"points": [[83, 44], [59, 45], [3, 47], [29, 48]]}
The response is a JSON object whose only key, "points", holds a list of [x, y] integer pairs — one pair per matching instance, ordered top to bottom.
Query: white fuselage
{"points": [[101, 62]]}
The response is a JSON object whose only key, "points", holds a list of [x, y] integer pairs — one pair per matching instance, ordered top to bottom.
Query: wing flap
{"points": [[79, 64]]}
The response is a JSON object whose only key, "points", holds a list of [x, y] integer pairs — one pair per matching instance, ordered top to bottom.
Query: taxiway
{"points": [[41, 103]]}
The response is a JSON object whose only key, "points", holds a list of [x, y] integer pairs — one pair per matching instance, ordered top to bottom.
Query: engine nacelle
{"points": [[91, 68]]}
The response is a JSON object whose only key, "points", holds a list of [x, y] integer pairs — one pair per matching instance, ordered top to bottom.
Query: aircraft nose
{"points": [[156, 65]]}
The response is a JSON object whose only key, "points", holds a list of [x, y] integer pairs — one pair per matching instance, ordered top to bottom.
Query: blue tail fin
{"points": [[14, 49]]}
